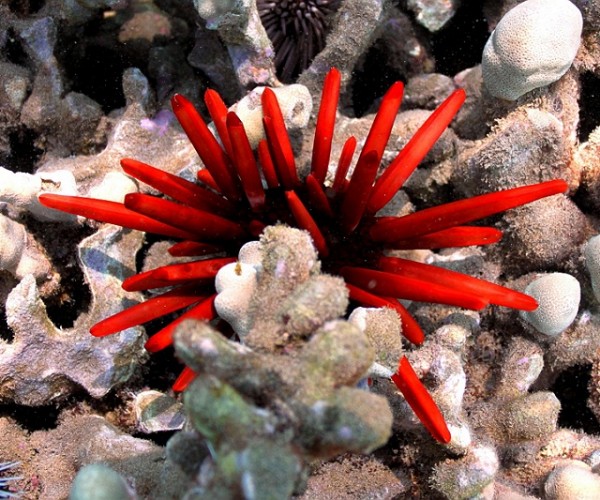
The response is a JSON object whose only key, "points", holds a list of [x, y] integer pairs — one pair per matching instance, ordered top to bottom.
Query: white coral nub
{"points": [[533, 45], [21, 190], [235, 284], [558, 296]]}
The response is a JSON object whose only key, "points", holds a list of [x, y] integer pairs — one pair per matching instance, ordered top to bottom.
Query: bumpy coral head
{"points": [[297, 29], [239, 194]]}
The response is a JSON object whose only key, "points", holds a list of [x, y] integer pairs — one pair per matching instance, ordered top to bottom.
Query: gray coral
{"points": [[44, 362]]}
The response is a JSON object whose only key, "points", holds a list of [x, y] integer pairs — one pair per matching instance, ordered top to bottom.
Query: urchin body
{"points": [[297, 29]]}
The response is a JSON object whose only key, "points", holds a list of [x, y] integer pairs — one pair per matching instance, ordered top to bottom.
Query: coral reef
{"points": [[301, 367]]}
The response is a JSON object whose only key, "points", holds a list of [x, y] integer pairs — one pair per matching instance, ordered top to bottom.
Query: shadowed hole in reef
{"points": [[25, 7], [459, 44], [13, 50], [95, 67], [372, 81], [104, 86], [589, 101], [23, 152], [60, 242], [72, 300], [6, 333], [571, 388], [33, 418]]}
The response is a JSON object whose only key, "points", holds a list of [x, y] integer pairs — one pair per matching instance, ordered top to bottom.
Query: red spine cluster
{"points": [[205, 217]]}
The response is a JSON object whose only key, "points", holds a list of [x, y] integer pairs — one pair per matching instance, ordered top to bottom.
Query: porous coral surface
{"points": [[84, 84]]}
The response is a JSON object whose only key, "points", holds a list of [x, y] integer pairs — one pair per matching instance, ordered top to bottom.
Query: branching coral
{"points": [[238, 197], [267, 411]]}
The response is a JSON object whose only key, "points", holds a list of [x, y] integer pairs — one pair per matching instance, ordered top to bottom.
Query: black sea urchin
{"points": [[297, 29]]}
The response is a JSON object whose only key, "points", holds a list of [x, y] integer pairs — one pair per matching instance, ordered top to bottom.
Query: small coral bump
{"points": [[113, 187], [21, 190], [13, 248], [235, 283], [558, 296], [383, 327], [522, 365], [529, 417], [461, 437], [468, 476], [572, 479]]}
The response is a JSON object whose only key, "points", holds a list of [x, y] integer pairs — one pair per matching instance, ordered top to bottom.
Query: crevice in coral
{"points": [[25, 7], [459, 44], [13, 50], [96, 68], [372, 81], [103, 86], [589, 102], [23, 151], [74, 296], [6, 334], [160, 370], [571, 388], [33, 418], [158, 438]]}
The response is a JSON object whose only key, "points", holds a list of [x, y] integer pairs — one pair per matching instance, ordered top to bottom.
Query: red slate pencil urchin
{"points": [[238, 196]]}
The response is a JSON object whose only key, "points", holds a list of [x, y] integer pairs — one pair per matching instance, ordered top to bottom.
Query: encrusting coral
{"points": [[236, 199], [31, 378]]}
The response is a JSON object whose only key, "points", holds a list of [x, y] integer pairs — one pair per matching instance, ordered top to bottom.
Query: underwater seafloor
{"points": [[84, 83]]}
